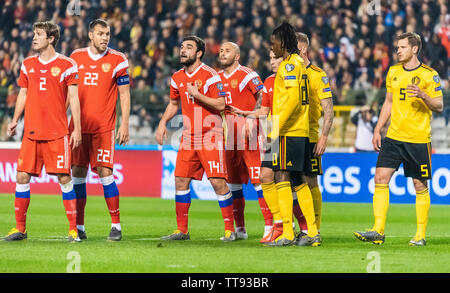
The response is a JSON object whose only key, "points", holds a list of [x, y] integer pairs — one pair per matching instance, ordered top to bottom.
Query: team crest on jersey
{"points": [[106, 67], [289, 67], [55, 71], [325, 79], [436, 79], [415, 80], [255, 81], [198, 83], [234, 83], [219, 86]]}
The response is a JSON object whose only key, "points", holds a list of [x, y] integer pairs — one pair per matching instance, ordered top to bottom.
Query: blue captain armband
{"points": [[123, 80]]}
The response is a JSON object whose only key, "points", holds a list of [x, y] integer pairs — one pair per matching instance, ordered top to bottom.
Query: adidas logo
{"points": [[81, 66], [32, 70], [43, 71], [395, 78], [181, 84], [270, 90], [289, 164]]}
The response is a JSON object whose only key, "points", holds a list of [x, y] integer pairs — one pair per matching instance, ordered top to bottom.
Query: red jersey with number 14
{"points": [[100, 76], [46, 83], [198, 119]]}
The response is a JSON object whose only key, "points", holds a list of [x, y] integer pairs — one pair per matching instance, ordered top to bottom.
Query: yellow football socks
{"points": [[271, 197], [285, 201], [317, 201], [306, 204], [380, 206], [422, 208]]}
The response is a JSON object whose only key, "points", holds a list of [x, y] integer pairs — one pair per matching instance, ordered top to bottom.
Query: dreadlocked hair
{"points": [[286, 33]]}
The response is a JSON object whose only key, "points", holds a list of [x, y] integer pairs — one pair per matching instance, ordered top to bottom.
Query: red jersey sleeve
{"points": [[121, 68], [70, 75], [23, 78], [214, 87], [174, 93], [265, 102]]}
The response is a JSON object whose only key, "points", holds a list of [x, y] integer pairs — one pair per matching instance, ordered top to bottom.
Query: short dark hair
{"points": [[97, 21], [50, 28], [285, 32], [302, 38], [413, 40], [198, 42]]}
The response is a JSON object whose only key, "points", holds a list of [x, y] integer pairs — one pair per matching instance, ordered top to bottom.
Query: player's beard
{"points": [[406, 60], [188, 62], [224, 65]]}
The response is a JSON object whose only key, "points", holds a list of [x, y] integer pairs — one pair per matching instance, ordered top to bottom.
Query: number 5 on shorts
{"points": [[424, 170]]}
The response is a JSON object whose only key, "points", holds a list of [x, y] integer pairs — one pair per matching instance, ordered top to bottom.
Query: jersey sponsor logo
{"points": [[106, 67], [55, 71], [288, 77], [325, 79], [436, 79], [415, 80], [255, 81], [234, 83], [219, 86], [326, 90]]}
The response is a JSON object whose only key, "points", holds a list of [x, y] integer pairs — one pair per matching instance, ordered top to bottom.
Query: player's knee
{"points": [[79, 171], [104, 172], [266, 175], [281, 176], [23, 178], [381, 178], [64, 179], [312, 181], [182, 183], [219, 184], [420, 185]]}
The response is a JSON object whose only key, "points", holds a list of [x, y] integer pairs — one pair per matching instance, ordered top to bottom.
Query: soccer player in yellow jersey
{"points": [[413, 93], [320, 97], [289, 138]]}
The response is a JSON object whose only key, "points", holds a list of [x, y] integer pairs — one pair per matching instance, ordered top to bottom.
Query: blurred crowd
{"points": [[353, 41]]}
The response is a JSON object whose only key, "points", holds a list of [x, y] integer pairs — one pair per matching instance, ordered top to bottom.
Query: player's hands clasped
{"points": [[192, 90], [11, 131], [75, 139]]}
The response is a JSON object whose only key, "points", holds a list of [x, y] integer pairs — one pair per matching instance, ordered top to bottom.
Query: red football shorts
{"points": [[96, 149], [53, 154], [191, 163], [243, 165]]}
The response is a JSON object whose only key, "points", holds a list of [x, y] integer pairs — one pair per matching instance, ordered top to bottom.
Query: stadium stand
{"points": [[353, 41]]}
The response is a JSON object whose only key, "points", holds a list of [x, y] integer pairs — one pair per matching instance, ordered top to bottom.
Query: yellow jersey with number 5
{"points": [[290, 99], [410, 116]]}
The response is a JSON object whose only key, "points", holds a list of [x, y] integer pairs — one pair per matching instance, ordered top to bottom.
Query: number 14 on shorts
{"points": [[214, 165]]}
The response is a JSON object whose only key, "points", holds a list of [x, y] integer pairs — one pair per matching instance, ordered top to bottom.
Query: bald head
{"points": [[229, 54]]}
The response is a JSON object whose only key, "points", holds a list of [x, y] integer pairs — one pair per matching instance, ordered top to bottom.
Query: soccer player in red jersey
{"points": [[103, 73], [46, 81], [243, 88], [199, 90], [267, 173]]}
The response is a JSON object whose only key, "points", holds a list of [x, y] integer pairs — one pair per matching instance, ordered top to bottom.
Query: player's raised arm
{"points": [[20, 107], [171, 111], [123, 133], [75, 137]]}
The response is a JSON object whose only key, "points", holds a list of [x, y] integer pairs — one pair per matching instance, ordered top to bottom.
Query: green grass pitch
{"points": [[144, 220]]}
